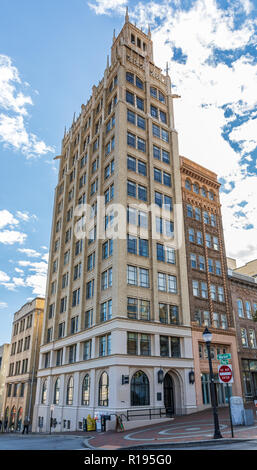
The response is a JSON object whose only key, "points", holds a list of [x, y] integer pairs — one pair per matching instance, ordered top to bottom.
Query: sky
{"points": [[51, 54]]}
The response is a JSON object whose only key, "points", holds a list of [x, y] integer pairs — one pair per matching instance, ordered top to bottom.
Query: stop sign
{"points": [[225, 374]]}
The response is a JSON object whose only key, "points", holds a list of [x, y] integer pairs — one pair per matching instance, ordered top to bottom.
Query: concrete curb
{"points": [[170, 444], [186, 444]]}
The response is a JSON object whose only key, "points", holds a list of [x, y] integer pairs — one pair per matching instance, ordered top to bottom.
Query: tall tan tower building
{"points": [[117, 335]]}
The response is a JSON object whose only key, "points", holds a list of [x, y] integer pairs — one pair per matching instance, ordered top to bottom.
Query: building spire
{"points": [[127, 15], [149, 31], [114, 35], [107, 65], [167, 68]]}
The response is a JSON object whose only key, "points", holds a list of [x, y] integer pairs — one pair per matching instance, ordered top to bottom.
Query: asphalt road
{"points": [[44, 442]]}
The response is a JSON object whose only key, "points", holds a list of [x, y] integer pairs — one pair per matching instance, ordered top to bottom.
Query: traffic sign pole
{"points": [[230, 415]]}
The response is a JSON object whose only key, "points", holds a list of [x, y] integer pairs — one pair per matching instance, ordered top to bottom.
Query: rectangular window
{"points": [[130, 98], [140, 103], [154, 111], [131, 116], [141, 122], [156, 131], [131, 140], [141, 144], [157, 152], [131, 163], [141, 168], [157, 175], [131, 189], [142, 193], [132, 244], [143, 248], [193, 261], [132, 275], [143, 277], [162, 282], [172, 284], [90, 289], [204, 290], [196, 291], [75, 297], [132, 308], [88, 318], [74, 325], [61, 330], [244, 338], [132, 343], [145, 345], [164, 346], [175, 347], [87, 350]]}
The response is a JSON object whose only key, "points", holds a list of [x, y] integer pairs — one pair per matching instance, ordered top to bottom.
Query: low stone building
{"points": [[244, 300], [4, 360], [20, 384]]}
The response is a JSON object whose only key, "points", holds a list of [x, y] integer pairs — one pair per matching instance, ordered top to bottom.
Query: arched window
{"points": [[188, 184], [196, 188], [203, 191], [240, 308], [70, 390], [85, 390], [57, 391], [139, 391], [44, 392], [103, 398], [6, 415], [13, 416], [19, 418]]}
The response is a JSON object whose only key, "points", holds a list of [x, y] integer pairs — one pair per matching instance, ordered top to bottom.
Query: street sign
{"points": [[224, 357], [223, 362], [225, 374]]}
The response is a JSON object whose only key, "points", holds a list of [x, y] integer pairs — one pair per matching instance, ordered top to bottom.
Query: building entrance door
{"points": [[168, 392]]}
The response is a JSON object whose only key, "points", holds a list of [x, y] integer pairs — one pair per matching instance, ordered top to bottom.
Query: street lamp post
{"points": [[207, 336]]}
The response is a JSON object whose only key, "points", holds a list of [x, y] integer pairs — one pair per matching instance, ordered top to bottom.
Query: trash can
{"points": [[248, 418]]}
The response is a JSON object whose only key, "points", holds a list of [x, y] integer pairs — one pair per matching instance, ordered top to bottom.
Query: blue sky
{"points": [[50, 57]]}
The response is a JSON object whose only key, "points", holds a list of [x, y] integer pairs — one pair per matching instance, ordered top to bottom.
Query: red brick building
{"points": [[210, 300]]}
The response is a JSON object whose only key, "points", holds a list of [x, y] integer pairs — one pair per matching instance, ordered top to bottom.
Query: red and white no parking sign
{"points": [[225, 374]]}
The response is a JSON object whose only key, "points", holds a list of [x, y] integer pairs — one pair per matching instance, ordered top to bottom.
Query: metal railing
{"points": [[149, 413]]}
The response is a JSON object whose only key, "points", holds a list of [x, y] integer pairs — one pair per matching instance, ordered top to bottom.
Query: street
{"points": [[44, 442]]}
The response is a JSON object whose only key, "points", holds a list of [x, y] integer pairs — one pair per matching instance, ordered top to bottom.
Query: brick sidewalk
{"points": [[181, 429]]}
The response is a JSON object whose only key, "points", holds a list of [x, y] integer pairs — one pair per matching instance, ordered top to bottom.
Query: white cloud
{"points": [[105, 7], [206, 88], [10, 98], [13, 102], [245, 135], [25, 216], [6, 218], [9, 237], [29, 252], [19, 271], [4, 277], [38, 283], [3, 305]]}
